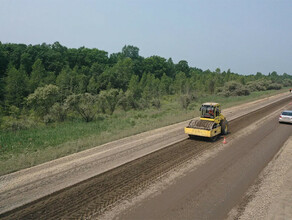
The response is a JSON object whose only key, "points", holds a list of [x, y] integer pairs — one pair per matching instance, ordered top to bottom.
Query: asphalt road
{"points": [[210, 191]]}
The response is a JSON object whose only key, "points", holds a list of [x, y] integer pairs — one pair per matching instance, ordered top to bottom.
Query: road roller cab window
{"points": [[207, 112]]}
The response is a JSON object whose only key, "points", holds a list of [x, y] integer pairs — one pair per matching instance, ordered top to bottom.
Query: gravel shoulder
{"points": [[44, 179], [271, 195]]}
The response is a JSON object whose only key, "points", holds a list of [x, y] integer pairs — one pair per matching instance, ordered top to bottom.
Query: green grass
{"points": [[30, 147]]}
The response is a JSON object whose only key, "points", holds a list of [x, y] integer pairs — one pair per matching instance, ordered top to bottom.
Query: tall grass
{"points": [[30, 147]]}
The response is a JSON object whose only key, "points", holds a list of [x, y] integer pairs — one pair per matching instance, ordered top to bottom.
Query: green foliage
{"points": [[130, 51], [155, 65], [183, 66], [37, 76], [116, 77], [141, 82], [180, 83], [165, 85], [258, 85], [275, 86], [16, 87], [134, 87], [234, 88], [43, 99], [109, 99], [186, 99], [156, 103], [84, 104], [57, 113], [10, 123]]}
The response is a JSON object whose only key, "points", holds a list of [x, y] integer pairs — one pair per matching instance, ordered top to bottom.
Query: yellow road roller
{"points": [[211, 123]]}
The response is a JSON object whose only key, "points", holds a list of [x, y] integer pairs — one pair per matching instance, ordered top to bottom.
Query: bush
{"points": [[287, 83], [257, 86], [275, 86], [233, 88], [43, 99], [109, 99], [185, 100], [156, 103], [84, 104], [143, 104], [57, 113], [10, 123]]}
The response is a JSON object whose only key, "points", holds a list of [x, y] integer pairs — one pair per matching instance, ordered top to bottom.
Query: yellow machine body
{"points": [[211, 123], [203, 133]]}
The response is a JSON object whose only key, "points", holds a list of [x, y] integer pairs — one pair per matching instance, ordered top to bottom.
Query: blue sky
{"points": [[247, 36]]}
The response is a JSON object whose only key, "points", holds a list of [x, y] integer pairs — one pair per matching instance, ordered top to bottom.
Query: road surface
{"points": [[211, 190]]}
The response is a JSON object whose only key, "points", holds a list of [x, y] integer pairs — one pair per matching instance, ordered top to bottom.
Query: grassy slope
{"points": [[27, 148]]}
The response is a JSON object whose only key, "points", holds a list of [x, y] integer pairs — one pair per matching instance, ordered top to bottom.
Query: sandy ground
{"points": [[44, 179], [271, 196]]}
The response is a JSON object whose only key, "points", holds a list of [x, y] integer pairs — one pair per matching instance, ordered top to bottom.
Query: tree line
{"points": [[48, 80]]}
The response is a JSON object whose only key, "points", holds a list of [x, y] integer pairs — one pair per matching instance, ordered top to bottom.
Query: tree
{"points": [[130, 51], [155, 65], [183, 66], [170, 68], [96, 69], [218, 71], [37, 76], [118, 76], [65, 81], [82, 82], [180, 82], [92, 86], [164, 86], [211, 86], [16, 87], [134, 87], [151, 88], [43, 99], [109, 99], [84, 104]]}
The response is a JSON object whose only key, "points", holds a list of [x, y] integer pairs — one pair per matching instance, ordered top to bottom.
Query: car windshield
{"points": [[287, 113]]}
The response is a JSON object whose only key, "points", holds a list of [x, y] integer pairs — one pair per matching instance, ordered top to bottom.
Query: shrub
{"points": [[287, 82], [258, 85], [275, 86], [233, 88], [43, 99], [109, 99], [186, 99], [156, 103], [84, 104], [57, 113], [10, 123]]}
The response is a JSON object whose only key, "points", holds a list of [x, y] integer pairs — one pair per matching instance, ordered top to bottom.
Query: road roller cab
{"points": [[211, 123]]}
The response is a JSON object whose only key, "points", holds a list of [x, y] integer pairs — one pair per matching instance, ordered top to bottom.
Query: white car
{"points": [[286, 116]]}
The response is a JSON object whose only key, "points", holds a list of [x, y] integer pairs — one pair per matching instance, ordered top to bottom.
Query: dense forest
{"points": [[53, 83]]}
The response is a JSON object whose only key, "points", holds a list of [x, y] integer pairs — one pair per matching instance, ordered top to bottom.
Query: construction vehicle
{"points": [[211, 123]]}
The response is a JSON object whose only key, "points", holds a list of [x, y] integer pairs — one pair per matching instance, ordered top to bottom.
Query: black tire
{"points": [[224, 127], [214, 138]]}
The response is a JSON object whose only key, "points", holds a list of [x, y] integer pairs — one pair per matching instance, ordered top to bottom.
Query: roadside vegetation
{"points": [[55, 101]]}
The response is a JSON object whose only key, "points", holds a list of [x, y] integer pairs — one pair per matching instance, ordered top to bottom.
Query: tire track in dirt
{"points": [[97, 194]]}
